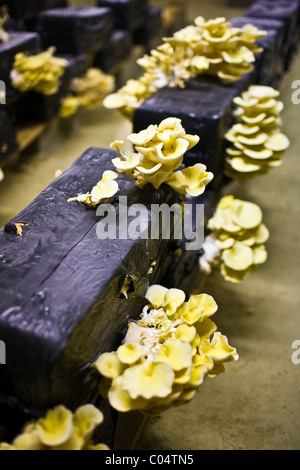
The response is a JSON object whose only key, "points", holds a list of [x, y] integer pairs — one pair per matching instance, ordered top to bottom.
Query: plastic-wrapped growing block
{"points": [[56, 4], [24, 8], [283, 10], [129, 14], [75, 30], [151, 33], [19, 42], [118, 49], [270, 64], [38, 107], [205, 108], [8, 143], [184, 270], [62, 300]]}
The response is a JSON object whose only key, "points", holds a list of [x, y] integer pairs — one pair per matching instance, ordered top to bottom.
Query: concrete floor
{"points": [[255, 404]]}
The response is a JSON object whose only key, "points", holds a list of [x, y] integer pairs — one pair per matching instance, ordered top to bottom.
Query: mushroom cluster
{"points": [[212, 47], [218, 49], [40, 72], [88, 92], [256, 143], [159, 152], [104, 190], [240, 235], [166, 355], [60, 429]]}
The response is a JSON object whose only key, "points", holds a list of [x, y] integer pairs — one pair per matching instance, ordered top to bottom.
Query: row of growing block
{"points": [[205, 105], [67, 294]]}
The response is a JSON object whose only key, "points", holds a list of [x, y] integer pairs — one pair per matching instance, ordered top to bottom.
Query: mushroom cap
{"points": [[278, 142], [246, 214], [260, 254], [238, 258], [186, 332], [130, 353], [176, 353], [109, 365], [148, 380], [86, 419], [56, 427], [25, 441]]}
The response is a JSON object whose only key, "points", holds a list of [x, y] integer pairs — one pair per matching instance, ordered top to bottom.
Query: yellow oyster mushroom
{"points": [[238, 56], [40, 72], [262, 92], [69, 107], [244, 129], [143, 137], [256, 140], [277, 142], [174, 154], [261, 154], [127, 162], [240, 165], [191, 180], [105, 189], [246, 214], [261, 234], [224, 242], [260, 255], [239, 257], [235, 276], [156, 295], [173, 299], [207, 302], [190, 314], [205, 329], [186, 332], [220, 350], [130, 353], [176, 353], [109, 365], [198, 374], [183, 376], [148, 380], [120, 399], [86, 419], [56, 427], [28, 441], [6, 446], [96, 447]]}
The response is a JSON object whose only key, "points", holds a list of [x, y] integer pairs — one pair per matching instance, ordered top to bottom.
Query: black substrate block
{"points": [[56, 4], [24, 8], [283, 10], [129, 14], [75, 30], [151, 33], [19, 42], [118, 49], [270, 64], [39, 107], [205, 107], [8, 143], [184, 270], [61, 298]]}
